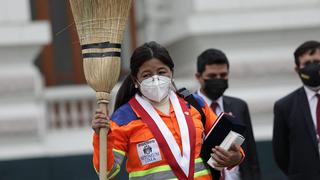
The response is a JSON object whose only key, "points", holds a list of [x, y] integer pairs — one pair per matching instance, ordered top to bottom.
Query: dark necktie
{"points": [[214, 106], [318, 114]]}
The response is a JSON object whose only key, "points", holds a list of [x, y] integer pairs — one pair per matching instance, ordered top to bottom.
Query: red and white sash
{"points": [[182, 164]]}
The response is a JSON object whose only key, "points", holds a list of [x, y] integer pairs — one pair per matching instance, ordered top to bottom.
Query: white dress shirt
{"points": [[219, 101], [313, 101], [232, 174]]}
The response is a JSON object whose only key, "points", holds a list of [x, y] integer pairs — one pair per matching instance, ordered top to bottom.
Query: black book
{"points": [[219, 130]]}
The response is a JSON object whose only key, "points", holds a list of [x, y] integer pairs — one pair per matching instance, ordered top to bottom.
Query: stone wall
{"points": [[22, 108]]}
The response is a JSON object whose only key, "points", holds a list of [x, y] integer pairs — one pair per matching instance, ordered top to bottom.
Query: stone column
{"points": [[22, 107]]}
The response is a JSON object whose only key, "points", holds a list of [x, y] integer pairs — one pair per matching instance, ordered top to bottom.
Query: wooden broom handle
{"points": [[103, 146]]}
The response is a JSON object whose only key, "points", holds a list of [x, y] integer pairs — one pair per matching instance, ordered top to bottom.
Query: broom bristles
{"points": [[100, 20], [100, 25]]}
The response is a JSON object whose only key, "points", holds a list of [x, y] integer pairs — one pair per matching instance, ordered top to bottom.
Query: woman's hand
{"points": [[99, 120], [225, 158]]}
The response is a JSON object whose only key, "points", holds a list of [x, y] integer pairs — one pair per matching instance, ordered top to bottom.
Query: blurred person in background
{"points": [[212, 74], [296, 127], [158, 132]]}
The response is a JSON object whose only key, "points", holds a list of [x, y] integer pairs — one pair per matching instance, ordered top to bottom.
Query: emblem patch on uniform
{"points": [[149, 152]]}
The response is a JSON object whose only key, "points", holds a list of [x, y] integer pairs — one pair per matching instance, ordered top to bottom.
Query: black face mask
{"points": [[310, 74], [214, 88]]}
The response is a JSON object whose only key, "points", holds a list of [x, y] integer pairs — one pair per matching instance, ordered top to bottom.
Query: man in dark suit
{"points": [[212, 74], [297, 119]]}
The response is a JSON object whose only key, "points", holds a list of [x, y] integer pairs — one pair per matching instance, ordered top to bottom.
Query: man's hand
{"points": [[225, 158]]}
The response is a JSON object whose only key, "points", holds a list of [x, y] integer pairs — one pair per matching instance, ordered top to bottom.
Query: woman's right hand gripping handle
{"points": [[100, 120]]}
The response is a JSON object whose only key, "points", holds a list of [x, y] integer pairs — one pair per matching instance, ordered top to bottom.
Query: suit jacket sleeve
{"points": [[280, 138], [252, 155]]}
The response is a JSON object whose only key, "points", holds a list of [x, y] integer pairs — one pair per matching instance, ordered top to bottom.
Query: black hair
{"points": [[309, 47], [140, 55], [211, 56]]}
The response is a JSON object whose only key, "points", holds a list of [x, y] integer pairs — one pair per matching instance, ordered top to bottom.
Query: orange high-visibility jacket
{"points": [[128, 136]]}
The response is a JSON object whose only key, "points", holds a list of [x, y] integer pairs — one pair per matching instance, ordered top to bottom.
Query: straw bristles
{"points": [[101, 21], [102, 73]]}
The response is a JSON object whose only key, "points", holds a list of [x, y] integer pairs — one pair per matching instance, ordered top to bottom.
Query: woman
{"points": [[160, 134]]}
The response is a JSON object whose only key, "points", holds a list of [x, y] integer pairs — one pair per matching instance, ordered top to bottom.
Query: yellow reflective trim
{"points": [[119, 151], [198, 160], [155, 170], [150, 171], [114, 173], [201, 173], [197, 174], [173, 179]]}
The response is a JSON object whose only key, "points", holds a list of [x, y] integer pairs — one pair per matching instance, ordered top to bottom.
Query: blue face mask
{"points": [[310, 74]]}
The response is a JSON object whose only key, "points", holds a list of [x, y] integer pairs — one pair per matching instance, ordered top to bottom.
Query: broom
{"points": [[100, 25]]}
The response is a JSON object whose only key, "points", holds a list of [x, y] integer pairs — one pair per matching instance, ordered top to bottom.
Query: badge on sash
{"points": [[149, 152]]}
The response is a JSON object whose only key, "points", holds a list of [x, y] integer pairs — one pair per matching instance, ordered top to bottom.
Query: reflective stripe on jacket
{"points": [[132, 138], [165, 172]]}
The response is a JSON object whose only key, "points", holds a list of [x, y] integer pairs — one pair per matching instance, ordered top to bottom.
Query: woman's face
{"points": [[151, 68]]}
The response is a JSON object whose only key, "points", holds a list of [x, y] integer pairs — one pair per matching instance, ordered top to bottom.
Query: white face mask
{"points": [[155, 88]]}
